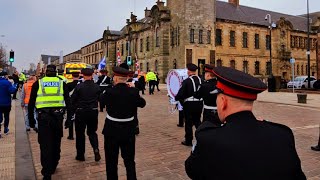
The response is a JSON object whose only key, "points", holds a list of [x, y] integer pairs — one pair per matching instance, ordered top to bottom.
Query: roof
{"points": [[250, 15], [117, 33], [45, 58]]}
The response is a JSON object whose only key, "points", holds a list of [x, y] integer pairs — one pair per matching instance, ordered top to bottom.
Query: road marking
{"points": [[309, 108], [305, 127]]}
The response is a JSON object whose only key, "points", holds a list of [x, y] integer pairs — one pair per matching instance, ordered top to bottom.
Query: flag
{"points": [[118, 57], [102, 63]]}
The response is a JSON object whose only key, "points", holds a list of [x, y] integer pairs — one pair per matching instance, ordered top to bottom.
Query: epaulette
{"points": [[284, 127]]}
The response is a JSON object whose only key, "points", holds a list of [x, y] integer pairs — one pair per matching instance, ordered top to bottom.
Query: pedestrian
{"points": [[95, 76], [15, 78], [152, 80], [158, 81], [104, 82], [142, 83], [6, 89], [25, 97], [51, 98], [85, 100], [210, 105], [192, 107], [70, 115], [119, 129], [244, 147], [317, 147]]}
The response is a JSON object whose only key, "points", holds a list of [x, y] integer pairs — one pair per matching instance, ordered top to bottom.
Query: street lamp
{"points": [[308, 45], [271, 80]]}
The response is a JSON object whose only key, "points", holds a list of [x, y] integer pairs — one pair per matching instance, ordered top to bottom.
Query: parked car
{"points": [[301, 82]]}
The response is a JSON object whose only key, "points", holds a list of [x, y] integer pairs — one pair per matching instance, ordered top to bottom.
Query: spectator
{"points": [[15, 78], [152, 79], [158, 81], [6, 89], [25, 97]]}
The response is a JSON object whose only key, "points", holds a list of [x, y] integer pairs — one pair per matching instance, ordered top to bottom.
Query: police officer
{"points": [[60, 75], [104, 82], [71, 86], [50, 96], [209, 99], [85, 100], [192, 106], [119, 129], [244, 147]]}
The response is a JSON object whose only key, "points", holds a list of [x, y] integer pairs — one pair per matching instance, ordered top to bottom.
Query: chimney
{"points": [[234, 2], [147, 12], [128, 21]]}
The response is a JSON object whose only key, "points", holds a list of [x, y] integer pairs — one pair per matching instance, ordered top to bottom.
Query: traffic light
{"points": [[11, 59], [129, 60]]}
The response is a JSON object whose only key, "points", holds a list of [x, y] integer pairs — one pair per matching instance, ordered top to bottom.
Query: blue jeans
{"points": [[26, 119]]}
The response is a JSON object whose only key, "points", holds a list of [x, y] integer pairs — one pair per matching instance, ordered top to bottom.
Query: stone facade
{"points": [[93, 53], [74, 57]]}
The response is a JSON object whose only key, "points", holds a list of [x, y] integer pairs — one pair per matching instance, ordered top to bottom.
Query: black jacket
{"points": [[106, 82], [73, 84], [204, 92], [86, 95], [33, 97], [122, 101], [244, 149]]}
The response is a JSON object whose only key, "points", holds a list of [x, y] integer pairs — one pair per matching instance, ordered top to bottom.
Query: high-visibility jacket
{"points": [[151, 76], [22, 77], [63, 78], [27, 90], [50, 93]]}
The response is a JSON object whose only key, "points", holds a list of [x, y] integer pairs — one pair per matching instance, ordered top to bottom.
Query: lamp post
{"points": [[308, 45], [271, 80]]}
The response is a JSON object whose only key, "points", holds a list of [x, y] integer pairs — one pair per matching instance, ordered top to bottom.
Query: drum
{"points": [[174, 81]]}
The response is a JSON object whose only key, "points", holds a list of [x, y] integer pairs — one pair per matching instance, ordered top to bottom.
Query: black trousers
{"points": [[152, 84], [157, 85], [14, 96], [192, 114], [4, 115], [212, 116], [181, 118], [89, 119], [50, 128], [71, 129], [119, 135]]}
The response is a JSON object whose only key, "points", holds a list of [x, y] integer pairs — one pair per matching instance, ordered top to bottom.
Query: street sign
{"points": [[292, 61]]}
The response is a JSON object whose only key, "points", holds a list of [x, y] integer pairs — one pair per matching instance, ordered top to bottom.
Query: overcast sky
{"points": [[35, 27]]}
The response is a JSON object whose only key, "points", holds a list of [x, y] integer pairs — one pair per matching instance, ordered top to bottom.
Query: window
{"points": [[191, 35], [178, 36], [200, 36], [172, 37], [209, 37], [218, 37], [157, 38], [232, 38], [245, 40], [257, 41], [292, 41], [268, 42], [301, 42], [148, 43], [141, 45], [122, 49], [219, 62], [174, 64], [233, 64], [156, 66], [245, 66], [141, 67], [148, 67], [257, 68], [268, 68], [298, 69], [302, 70]]}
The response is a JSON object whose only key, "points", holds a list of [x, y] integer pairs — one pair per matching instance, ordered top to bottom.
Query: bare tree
{"points": [[3, 57]]}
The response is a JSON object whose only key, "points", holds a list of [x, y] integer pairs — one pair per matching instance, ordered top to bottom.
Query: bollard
{"points": [[302, 98]]}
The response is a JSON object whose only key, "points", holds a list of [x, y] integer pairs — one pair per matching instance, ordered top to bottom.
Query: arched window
{"points": [[157, 37], [219, 62], [233, 64], [156, 66], [148, 67], [257, 68], [298, 69], [302, 69]]}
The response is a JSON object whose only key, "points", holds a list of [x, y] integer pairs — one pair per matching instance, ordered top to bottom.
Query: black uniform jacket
{"points": [[107, 81], [73, 84], [186, 91], [204, 92], [86, 95], [33, 97], [244, 149]]}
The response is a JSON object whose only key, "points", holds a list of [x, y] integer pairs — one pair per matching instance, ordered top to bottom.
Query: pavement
{"points": [[159, 154]]}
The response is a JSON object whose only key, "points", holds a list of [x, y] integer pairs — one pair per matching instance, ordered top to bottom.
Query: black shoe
{"points": [[179, 125], [28, 130], [36, 130], [137, 131], [70, 138], [186, 143], [315, 148], [97, 156], [80, 158]]}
